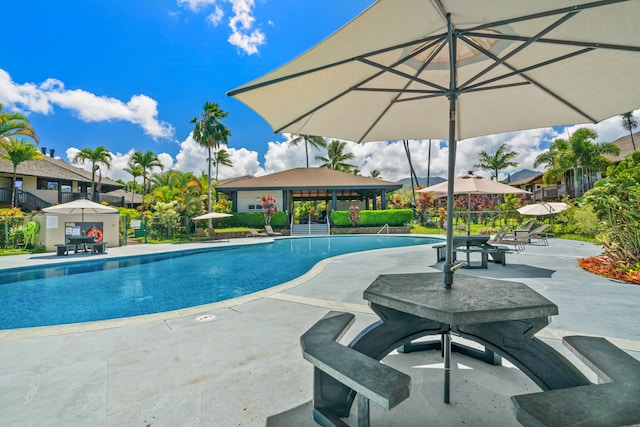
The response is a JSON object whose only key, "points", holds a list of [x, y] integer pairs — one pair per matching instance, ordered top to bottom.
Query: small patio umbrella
{"points": [[416, 69], [473, 184], [80, 205], [543, 208], [211, 215]]}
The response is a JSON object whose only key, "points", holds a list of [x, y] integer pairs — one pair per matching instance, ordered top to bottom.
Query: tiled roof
{"points": [[626, 146], [49, 167], [308, 178]]}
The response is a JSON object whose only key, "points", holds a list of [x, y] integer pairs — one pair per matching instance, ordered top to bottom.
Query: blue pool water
{"points": [[131, 286]]}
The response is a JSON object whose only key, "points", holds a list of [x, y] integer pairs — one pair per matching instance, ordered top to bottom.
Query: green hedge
{"points": [[378, 218], [251, 220]]}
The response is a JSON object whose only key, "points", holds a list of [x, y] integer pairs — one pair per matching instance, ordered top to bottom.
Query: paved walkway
{"points": [[244, 367]]}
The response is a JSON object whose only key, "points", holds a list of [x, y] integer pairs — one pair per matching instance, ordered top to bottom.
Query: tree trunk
{"points": [[209, 187]]}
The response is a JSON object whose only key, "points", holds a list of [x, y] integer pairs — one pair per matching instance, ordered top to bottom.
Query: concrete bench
{"points": [[97, 247], [64, 248], [441, 251], [498, 253], [366, 376], [615, 401]]}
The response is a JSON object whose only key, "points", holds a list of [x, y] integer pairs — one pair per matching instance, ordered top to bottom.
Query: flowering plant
{"points": [[269, 206], [354, 215]]}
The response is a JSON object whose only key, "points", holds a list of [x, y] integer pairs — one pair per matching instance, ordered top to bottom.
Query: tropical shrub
{"points": [[616, 201], [373, 218]]}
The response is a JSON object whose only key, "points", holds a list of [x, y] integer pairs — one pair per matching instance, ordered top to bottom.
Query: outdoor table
{"points": [[469, 241], [80, 242], [501, 315]]}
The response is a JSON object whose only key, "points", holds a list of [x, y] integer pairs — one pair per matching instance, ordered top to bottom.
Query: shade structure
{"points": [[448, 69], [473, 184], [80, 205], [543, 208], [211, 215]]}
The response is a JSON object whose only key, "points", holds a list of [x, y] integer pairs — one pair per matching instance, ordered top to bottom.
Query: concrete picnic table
{"points": [[500, 315]]}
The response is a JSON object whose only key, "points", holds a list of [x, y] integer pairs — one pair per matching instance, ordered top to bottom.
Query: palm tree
{"points": [[629, 123], [15, 124], [210, 133], [316, 141], [17, 151], [578, 152], [100, 155], [336, 157], [221, 158], [497, 161], [146, 162], [135, 171], [375, 174]]}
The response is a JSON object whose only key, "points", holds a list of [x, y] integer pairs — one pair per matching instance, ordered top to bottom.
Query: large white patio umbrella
{"points": [[451, 69], [473, 184], [80, 205]]}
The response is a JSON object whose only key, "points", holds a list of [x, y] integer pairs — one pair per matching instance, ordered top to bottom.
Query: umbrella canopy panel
{"points": [[519, 65], [474, 184], [544, 208]]}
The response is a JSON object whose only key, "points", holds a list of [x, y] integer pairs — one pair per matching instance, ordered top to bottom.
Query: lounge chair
{"points": [[270, 231], [255, 233], [200, 234], [540, 234], [214, 236], [505, 237]]}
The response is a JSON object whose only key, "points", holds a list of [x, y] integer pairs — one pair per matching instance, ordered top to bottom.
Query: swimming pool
{"points": [[130, 286]]}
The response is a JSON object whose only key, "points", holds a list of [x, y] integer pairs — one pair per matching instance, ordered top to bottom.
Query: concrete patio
{"points": [[244, 367]]}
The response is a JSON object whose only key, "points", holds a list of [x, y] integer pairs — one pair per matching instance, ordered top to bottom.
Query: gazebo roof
{"points": [[311, 183]]}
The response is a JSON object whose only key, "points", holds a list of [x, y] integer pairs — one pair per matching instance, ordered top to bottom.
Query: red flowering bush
{"points": [[354, 215], [604, 266]]}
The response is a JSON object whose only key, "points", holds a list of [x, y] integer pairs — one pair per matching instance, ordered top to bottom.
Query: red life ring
{"points": [[96, 233]]}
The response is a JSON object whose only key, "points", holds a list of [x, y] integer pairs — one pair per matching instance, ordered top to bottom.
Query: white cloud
{"points": [[196, 5], [216, 17], [244, 35], [140, 109], [193, 157], [119, 162]]}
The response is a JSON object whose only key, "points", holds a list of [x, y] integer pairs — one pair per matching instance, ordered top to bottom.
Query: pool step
{"points": [[310, 230]]}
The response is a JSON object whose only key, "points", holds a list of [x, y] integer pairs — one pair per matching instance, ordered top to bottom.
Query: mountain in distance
{"points": [[521, 174], [515, 176], [423, 181]]}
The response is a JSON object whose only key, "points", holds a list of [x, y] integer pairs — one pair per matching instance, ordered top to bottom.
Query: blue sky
{"points": [[130, 75]]}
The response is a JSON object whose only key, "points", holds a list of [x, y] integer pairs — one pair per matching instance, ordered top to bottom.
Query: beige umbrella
{"points": [[416, 69], [473, 184], [82, 206], [543, 208], [211, 215]]}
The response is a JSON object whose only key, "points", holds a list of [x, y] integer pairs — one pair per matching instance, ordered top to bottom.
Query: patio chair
{"points": [[527, 226], [270, 231], [256, 233], [200, 234], [540, 234], [214, 236], [505, 237]]}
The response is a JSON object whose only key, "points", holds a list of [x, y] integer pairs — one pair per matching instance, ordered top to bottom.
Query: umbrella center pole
{"points": [[452, 95]]}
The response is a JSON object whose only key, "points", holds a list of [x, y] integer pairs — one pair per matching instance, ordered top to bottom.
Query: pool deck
{"points": [[244, 367]]}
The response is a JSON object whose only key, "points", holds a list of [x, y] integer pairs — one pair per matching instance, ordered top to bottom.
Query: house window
{"points": [[45, 184]]}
